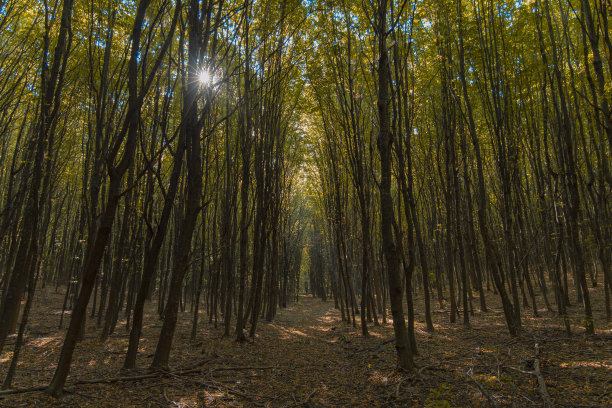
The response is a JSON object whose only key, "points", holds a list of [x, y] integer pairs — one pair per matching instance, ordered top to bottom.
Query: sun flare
{"points": [[204, 77]]}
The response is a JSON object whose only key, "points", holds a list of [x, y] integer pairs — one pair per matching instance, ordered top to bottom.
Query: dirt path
{"points": [[305, 356], [318, 356], [308, 357]]}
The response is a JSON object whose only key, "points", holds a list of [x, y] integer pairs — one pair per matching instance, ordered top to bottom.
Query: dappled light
{"points": [[305, 203], [45, 341], [308, 348], [5, 357], [586, 364], [377, 378]]}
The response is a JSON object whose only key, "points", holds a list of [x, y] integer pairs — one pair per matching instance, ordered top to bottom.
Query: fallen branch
{"points": [[555, 340], [212, 370], [539, 376], [125, 378], [115, 379], [541, 381], [81, 382], [399, 385], [227, 389], [22, 390], [485, 393], [308, 397], [168, 399], [301, 403]]}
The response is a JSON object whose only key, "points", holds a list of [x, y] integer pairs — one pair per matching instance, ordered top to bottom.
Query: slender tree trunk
{"points": [[402, 344]]}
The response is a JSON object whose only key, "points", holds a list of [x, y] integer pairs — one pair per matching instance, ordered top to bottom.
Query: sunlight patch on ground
{"points": [[59, 312], [328, 318], [319, 328], [422, 331], [293, 332], [297, 332], [287, 334], [441, 336], [43, 341], [484, 350], [6, 357], [588, 364], [379, 378], [486, 378], [211, 398], [185, 402]]}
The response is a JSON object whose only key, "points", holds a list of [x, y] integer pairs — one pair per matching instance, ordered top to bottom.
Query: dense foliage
{"points": [[229, 155]]}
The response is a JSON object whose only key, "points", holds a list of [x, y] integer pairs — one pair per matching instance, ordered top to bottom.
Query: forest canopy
{"points": [[413, 161]]}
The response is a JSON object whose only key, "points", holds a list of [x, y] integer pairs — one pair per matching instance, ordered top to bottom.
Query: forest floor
{"points": [[308, 357]]}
